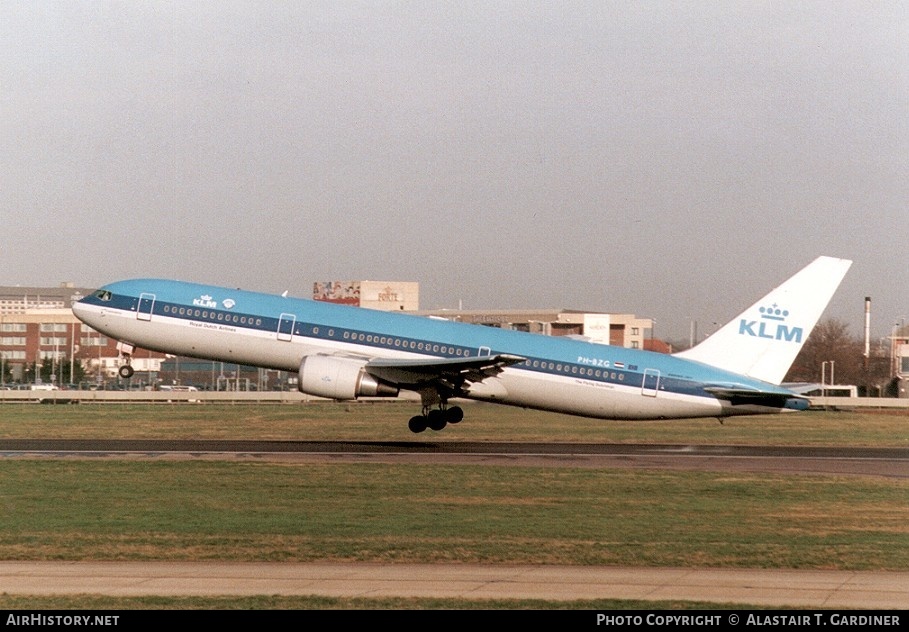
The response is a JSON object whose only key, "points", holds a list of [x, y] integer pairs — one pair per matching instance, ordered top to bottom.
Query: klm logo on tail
{"points": [[771, 326]]}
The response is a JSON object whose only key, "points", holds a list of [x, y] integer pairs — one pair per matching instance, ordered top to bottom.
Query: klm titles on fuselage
{"points": [[205, 301], [771, 326]]}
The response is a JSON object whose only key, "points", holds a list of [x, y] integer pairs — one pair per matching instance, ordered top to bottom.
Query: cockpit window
{"points": [[103, 295]]}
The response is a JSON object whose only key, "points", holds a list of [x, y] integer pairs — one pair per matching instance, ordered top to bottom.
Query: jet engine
{"points": [[340, 378]]}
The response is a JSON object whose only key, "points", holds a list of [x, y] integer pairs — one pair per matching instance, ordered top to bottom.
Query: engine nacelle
{"points": [[340, 378]]}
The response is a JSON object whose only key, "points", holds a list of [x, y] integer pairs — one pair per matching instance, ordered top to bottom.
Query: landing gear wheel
{"points": [[125, 371], [454, 414], [436, 419], [417, 424]]}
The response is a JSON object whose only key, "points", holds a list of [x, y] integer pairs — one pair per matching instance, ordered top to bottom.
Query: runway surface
{"points": [[887, 462], [777, 588]]}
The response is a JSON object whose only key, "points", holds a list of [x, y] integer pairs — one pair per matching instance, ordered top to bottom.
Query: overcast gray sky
{"points": [[670, 159]]}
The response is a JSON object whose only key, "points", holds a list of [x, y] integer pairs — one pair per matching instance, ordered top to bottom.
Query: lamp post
{"points": [[72, 353], [38, 355], [55, 364], [824, 377]]}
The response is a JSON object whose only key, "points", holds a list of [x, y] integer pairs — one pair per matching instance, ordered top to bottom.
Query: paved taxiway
{"points": [[776, 588]]}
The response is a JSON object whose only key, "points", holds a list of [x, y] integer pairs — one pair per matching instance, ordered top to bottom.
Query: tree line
{"points": [[831, 353]]}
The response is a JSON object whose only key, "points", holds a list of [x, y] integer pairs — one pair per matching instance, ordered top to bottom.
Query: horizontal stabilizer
{"points": [[742, 396]]}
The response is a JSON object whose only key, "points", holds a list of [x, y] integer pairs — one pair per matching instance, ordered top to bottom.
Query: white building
{"points": [[389, 296]]}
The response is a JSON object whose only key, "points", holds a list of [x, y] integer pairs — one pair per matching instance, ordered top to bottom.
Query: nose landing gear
{"points": [[126, 353]]}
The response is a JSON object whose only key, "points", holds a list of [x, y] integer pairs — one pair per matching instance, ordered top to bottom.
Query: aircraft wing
{"points": [[450, 373]]}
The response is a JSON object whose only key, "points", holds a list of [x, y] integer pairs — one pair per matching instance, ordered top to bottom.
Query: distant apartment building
{"points": [[382, 295], [19, 300], [37, 325], [624, 330], [899, 355]]}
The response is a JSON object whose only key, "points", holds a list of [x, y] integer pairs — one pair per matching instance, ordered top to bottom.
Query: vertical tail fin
{"points": [[763, 341]]}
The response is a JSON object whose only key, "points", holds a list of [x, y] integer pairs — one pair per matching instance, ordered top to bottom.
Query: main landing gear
{"points": [[435, 418]]}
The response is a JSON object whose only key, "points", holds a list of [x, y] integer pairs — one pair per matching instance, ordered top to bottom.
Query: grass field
{"points": [[387, 421], [114, 509], [250, 511]]}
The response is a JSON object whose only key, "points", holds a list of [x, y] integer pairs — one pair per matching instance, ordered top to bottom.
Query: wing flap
{"points": [[449, 372]]}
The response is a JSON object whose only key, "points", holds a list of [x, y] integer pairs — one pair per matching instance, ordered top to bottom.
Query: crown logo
{"points": [[774, 312]]}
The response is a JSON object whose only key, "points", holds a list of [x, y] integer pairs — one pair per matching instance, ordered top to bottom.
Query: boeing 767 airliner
{"points": [[343, 352]]}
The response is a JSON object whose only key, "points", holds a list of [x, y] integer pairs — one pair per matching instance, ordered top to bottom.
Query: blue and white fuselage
{"points": [[344, 352]]}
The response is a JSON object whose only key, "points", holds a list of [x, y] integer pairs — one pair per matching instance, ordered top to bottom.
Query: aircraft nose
{"points": [[77, 307], [79, 310], [83, 312]]}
